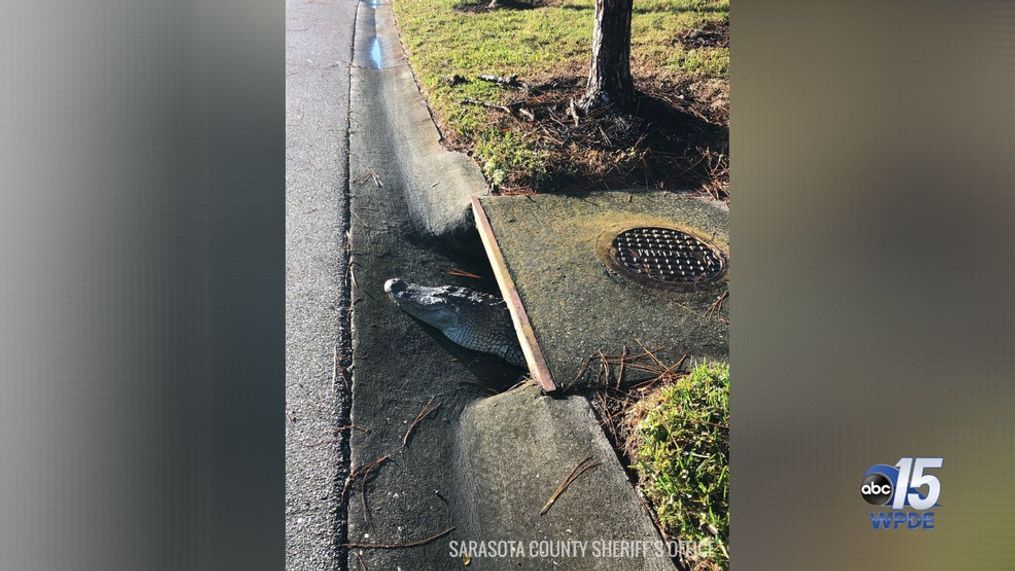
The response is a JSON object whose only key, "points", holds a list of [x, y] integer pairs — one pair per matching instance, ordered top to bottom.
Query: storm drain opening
{"points": [[663, 257]]}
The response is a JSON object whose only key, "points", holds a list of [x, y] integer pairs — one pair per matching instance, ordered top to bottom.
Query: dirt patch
{"points": [[712, 34], [674, 137], [620, 407]]}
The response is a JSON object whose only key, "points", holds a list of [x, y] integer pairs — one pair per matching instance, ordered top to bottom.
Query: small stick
{"points": [[511, 81], [504, 108], [572, 109], [377, 179], [463, 273], [716, 307], [650, 353], [676, 365], [606, 367], [334, 368], [578, 375], [620, 377], [521, 383], [427, 409], [609, 417], [582, 467], [358, 472], [363, 490], [430, 539], [359, 558]]}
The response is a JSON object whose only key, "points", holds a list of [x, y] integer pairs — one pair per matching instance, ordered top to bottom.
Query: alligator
{"points": [[469, 318]]}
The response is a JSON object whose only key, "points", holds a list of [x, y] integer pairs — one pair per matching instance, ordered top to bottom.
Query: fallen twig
{"points": [[510, 81], [486, 104], [513, 109], [572, 109], [377, 179], [463, 274], [716, 307], [649, 353], [623, 358], [605, 367], [335, 368], [578, 375], [427, 409], [582, 467], [360, 471], [363, 489], [400, 545]]}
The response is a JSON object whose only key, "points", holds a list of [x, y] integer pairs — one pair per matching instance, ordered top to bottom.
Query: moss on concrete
{"points": [[577, 306]]}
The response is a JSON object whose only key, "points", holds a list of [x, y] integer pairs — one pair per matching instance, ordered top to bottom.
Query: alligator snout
{"points": [[395, 286]]}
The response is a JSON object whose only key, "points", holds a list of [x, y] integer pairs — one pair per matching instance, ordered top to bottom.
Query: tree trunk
{"points": [[610, 80]]}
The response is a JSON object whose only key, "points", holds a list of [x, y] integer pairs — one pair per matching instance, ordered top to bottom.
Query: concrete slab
{"points": [[572, 309], [514, 450]]}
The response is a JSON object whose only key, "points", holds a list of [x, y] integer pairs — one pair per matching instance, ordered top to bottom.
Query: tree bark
{"points": [[610, 80]]}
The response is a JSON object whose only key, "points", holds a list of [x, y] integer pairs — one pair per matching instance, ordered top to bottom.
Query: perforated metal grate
{"points": [[667, 257]]}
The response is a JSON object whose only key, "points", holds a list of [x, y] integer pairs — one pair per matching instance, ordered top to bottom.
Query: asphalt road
{"points": [[319, 36]]}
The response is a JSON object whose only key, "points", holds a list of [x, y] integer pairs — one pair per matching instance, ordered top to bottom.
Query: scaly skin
{"points": [[472, 319]]}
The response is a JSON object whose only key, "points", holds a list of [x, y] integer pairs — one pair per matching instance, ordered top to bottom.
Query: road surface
{"points": [[319, 36]]}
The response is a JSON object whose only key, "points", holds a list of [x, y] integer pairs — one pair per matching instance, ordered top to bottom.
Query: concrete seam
{"points": [[341, 535]]}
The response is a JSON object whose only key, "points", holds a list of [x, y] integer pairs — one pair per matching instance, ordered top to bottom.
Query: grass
{"points": [[549, 40], [680, 450]]}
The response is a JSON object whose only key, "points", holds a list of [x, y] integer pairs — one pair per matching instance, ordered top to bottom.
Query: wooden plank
{"points": [[523, 328]]}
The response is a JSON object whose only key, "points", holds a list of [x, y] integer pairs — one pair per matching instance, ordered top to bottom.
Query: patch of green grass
{"points": [[554, 38], [503, 152], [681, 452]]}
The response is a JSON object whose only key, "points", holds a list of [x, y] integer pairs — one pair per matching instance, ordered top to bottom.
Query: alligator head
{"points": [[436, 306], [472, 319]]}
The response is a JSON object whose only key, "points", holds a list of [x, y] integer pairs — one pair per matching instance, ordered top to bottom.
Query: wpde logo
{"points": [[904, 485]]}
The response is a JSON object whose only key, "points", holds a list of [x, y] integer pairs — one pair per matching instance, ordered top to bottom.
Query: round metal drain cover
{"points": [[665, 257]]}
